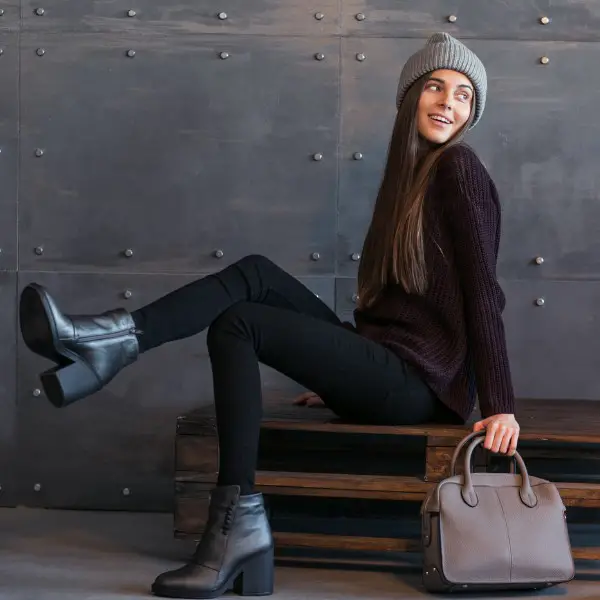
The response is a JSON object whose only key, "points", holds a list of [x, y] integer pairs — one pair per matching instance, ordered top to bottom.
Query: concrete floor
{"points": [[66, 555]]}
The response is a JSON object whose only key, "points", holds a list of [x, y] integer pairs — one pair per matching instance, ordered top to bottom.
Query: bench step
{"points": [[333, 485], [285, 539]]}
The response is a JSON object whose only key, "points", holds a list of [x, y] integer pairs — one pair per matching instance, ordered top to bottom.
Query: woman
{"points": [[428, 322]]}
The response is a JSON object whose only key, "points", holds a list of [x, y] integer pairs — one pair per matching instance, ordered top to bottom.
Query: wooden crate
{"points": [[309, 453]]}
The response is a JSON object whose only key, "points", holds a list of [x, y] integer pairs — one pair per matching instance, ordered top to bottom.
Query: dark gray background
{"points": [[176, 153]]}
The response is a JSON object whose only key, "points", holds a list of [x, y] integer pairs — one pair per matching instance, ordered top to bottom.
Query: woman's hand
{"points": [[308, 399], [502, 433]]}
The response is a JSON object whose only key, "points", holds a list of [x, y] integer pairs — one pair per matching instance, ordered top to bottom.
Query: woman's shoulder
{"points": [[461, 160]]}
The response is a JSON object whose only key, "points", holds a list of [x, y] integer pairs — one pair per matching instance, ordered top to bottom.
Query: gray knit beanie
{"points": [[442, 51]]}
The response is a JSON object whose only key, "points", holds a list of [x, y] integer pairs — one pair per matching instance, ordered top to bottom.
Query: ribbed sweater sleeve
{"points": [[473, 211]]}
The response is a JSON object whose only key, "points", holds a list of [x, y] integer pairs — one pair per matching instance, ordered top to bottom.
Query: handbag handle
{"points": [[461, 445], [468, 493]]}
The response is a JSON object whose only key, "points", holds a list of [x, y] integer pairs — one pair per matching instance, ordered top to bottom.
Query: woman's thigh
{"points": [[359, 379]]}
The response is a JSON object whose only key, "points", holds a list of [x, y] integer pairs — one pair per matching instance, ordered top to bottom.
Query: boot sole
{"points": [[37, 324], [72, 379], [252, 578]]}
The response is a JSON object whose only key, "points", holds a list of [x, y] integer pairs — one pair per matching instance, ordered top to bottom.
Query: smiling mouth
{"points": [[439, 120]]}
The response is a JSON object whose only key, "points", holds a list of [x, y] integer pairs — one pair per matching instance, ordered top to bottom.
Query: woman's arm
{"points": [[472, 209]]}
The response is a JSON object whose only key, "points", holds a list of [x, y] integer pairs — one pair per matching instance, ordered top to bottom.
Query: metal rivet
{"points": [[39, 11], [1, 12], [131, 13], [222, 16], [319, 16], [360, 17], [452, 19], [544, 20], [1, 51], [40, 52], [130, 53], [224, 55], [319, 56], [360, 57], [544, 60], [39, 152], [317, 156], [357, 156], [39, 250], [128, 253], [218, 253], [315, 256], [355, 256], [539, 260], [127, 294], [317, 295], [355, 298], [540, 301], [37, 392], [37, 487], [126, 492], [434, 569]]}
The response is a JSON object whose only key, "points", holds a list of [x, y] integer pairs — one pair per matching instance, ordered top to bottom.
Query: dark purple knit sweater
{"points": [[454, 334]]}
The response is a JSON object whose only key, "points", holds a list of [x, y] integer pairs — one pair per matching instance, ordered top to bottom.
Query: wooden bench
{"points": [[309, 453]]}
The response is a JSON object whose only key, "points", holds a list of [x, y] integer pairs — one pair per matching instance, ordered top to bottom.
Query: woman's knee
{"points": [[255, 261], [232, 321]]}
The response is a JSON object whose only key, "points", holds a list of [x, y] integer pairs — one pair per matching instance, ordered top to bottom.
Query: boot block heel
{"points": [[66, 384], [256, 578]]}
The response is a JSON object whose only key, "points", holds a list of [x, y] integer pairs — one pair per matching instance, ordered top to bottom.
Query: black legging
{"points": [[256, 312]]}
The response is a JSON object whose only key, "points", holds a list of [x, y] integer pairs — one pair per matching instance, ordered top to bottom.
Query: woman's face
{"points": [[444, 105]]}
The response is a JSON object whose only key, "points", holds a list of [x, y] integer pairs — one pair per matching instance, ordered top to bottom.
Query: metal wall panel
{"points": [[259, 17], [10, 18], [495, 19], [371, 69], [9, 131], [534, 138], [540, 141], [176, 153], [345, 294], [345, 298], [554, 347], [8, 365], [113, 450]]}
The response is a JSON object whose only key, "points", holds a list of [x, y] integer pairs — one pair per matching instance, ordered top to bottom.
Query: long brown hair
{"points": [[393, 251]]}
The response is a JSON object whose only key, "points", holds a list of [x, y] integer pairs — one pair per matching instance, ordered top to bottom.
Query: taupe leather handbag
{"points": [[493, 531]]}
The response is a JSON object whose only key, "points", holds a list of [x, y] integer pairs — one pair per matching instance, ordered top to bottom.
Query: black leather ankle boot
{"points": [[89, 350], [235, 552]]}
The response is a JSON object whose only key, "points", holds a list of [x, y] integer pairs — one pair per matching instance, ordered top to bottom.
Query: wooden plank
{"points": [[339, 427], [447, 432], [197, 453], [437, 462], [326, 481], [355, 486], [340, 493], [345, 542], [586, 553]]}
